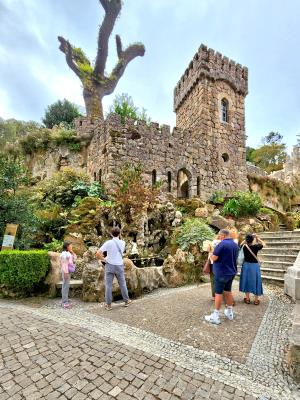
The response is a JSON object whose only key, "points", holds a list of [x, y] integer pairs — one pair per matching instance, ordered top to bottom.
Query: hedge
{"points": [[23, 269]]}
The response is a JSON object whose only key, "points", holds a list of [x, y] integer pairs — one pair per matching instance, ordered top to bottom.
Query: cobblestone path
{"points": [[50, 353]]}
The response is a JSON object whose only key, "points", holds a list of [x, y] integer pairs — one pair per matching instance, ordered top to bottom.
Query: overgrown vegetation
{"points": [[123, 105], [272, 189], [131, 193], [217, 197], [15, 204], [242, 204], [193, 232], [23, 270]]}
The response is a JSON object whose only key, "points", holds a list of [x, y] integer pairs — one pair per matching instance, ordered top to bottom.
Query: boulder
{"points": [[201, 212], [220, 222], [79, 246], [54, 274], [173, 277], [151, 278], [93, 288]]}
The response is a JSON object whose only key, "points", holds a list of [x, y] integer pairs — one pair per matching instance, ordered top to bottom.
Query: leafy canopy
{"points": [[124, 106], [60, 111]]}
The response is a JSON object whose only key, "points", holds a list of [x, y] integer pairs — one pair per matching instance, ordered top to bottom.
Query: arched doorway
{"points": [[183, 184]]}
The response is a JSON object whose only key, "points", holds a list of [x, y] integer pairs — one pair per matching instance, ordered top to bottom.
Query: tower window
{"points": [[224, 110], [225, 157], [95, 176], [100, 176], [154, 177], [169, 182], [198, 185]]}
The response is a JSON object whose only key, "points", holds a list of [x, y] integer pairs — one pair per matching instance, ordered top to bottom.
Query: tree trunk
{"points": [[93, 101]]}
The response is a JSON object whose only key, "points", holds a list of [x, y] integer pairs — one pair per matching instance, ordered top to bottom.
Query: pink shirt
{"points": [[66, 258]]}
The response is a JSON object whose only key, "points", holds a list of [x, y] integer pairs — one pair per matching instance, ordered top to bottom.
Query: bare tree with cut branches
{"points": [[96, 83]]}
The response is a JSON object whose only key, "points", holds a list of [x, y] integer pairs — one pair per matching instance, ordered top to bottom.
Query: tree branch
{"points": [[112, 9], [119, 46], [66, 48], [133, 51]]}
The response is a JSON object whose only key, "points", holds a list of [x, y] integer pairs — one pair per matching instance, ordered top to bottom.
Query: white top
{"points": [[113, 254]]}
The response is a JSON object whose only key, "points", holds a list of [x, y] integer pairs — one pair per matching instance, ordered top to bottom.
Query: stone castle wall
{"points": [[201, 155]]}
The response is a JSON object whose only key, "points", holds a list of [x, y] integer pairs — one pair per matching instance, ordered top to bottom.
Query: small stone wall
{"points": [[293, 356]]}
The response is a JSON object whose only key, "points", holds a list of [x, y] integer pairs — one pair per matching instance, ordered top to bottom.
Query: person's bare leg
{"points": [[247, 295], [228, 298], [218, 301]]}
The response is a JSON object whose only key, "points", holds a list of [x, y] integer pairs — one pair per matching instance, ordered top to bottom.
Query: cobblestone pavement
{"points": [[50, 353]]}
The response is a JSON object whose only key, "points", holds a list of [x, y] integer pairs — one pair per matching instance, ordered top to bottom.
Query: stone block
{"points": [[292, 280], [293, 356]]}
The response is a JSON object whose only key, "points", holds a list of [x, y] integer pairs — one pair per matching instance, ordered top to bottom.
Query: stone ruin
{"points": [[205, 152]]}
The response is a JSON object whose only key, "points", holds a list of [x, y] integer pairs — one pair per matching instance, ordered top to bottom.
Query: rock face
{"points": [[173, 273], [54, 275]]}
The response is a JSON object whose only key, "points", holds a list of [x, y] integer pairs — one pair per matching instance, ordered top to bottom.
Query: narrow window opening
{"points": [[224, 110], [225, 157], [95, 176], [100, 176], [154, 177], [169, 182], [198, 185]]}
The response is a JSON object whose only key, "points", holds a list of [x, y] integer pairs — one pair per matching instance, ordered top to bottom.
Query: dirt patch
{"points": [[179, 315]]}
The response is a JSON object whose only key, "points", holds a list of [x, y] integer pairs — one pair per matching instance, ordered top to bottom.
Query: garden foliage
{"points": [[60, 111], [242, 204], [193, 232], [23, 270]]}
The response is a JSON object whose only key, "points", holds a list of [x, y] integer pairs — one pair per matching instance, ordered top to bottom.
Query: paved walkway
{"points": [[83, 353]]}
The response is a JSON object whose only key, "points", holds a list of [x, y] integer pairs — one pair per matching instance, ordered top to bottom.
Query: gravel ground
{"points": [[178, 315]]}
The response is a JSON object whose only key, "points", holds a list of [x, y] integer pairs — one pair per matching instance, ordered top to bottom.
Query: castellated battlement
{"points": [[214, 66], [130, 129]]}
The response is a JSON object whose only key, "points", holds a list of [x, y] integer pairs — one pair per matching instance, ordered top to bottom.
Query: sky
{"points": [[263, 35]]}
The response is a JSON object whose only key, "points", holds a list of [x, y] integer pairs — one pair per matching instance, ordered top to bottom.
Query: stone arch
{"points": [[184, 178]]}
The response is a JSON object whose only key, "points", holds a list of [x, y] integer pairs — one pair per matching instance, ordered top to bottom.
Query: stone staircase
{"points": [[281, 251]]}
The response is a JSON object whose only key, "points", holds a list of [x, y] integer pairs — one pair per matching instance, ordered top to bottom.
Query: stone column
{"points": [[292, 280]]}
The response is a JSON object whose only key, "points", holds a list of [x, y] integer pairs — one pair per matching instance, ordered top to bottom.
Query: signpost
{"points": [[9, 236]]}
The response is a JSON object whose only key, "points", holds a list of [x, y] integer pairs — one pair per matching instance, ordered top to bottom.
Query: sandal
{"points": [[247, 301], [256, 302], [127, 304], [108, 307]]}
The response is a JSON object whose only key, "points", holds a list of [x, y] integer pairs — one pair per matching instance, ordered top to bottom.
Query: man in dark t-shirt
{"points": [[224, 269]]}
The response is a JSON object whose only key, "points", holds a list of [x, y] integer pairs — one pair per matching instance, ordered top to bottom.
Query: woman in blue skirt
{"points": [[250, 280]]}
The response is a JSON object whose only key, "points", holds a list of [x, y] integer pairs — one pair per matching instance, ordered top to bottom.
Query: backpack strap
{"points": [[118, 247], [251, 252]]}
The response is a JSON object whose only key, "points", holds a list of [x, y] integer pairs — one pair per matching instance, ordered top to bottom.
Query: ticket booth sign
{"points": [[9, 236]]}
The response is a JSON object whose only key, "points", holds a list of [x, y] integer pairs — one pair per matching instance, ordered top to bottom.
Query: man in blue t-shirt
{"points": [[224, 269]]}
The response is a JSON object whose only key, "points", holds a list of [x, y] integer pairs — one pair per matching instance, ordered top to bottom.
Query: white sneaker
{"points": [[228, 313], [213, 318]]}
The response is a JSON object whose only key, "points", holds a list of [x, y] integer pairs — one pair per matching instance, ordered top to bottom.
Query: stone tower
{"points": [[209, 100]]}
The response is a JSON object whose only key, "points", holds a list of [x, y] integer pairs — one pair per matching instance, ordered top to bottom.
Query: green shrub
{"points": [[217, 197], [243, 204], [267, 211], [193, 232], [55, 245], [23, 270]]}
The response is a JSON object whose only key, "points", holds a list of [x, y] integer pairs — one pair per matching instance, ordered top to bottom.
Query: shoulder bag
{"points": [[207, 266]]}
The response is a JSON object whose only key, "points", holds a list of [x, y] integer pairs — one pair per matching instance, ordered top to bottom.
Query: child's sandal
{"points": [[247, 301], [256, 302]]}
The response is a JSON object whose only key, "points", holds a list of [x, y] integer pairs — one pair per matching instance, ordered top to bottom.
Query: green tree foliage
{"points": [[124, 106], [60, 111], [12, 130], [272, 138], [249, 153], [270, 157], [15, 204], [242, 204], [193, 232], [23, 270]]}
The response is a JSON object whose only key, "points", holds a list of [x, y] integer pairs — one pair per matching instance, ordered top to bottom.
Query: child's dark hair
{"points": [[66, 245]]}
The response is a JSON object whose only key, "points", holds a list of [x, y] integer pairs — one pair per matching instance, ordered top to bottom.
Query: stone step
{"points": [[288, 234], [282, 239], [280, 244], [273, 250], [277, 257], [282, 265], [273, 273], [274, 279], [74, 284]]}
